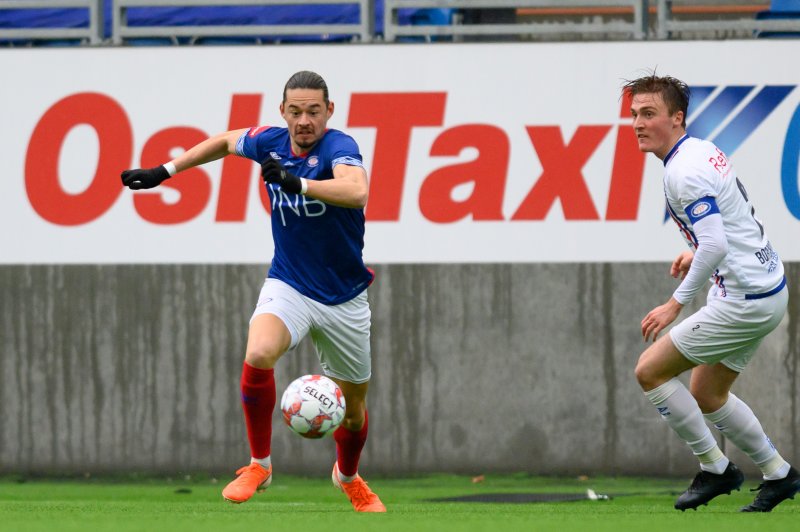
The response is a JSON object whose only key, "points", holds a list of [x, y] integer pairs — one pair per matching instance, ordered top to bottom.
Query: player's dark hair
{"points": [[305, 79], [673, 91]]}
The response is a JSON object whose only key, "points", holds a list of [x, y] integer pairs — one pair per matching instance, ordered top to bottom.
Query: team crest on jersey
{"points": [[275, 156], [313, 161], [700, 209]]}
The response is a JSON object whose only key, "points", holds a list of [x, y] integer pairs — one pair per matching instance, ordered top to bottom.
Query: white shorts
{"points": [[729, 330], [340, 333]]}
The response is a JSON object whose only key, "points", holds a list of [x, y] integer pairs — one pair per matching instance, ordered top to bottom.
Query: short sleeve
{"points": [[247, 145], [344, 150], [694, 184]]}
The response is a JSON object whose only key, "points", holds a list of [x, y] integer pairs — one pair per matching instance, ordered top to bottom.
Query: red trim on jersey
{"points": [[256, 130], [304, 155], [687, 234]]}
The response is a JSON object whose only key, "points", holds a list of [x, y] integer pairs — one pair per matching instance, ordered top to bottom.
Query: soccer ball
{"points": [[313, 406]]}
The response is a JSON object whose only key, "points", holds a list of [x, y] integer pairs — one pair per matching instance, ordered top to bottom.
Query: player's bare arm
{"points": [[211, 149], [348, 188], [681, 264], [659, 318]]}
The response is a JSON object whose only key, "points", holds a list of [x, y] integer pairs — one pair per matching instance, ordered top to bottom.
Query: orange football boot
{"points": [[252, 478], [362, 498]]}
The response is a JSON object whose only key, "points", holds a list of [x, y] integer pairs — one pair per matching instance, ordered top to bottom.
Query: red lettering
{"points": [[394, 115], [115, 138], [628, 172], [487, 173], [561, 173], [236, 178], [194, 185], [473, 189]]}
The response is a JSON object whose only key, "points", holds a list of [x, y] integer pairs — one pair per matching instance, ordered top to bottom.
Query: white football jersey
{"points": [[700, 181]]}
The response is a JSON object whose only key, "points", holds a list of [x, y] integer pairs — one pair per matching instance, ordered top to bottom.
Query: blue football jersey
{"points": [[317, 245]]}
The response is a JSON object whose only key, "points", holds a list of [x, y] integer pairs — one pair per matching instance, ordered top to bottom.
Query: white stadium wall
{"points": [[477, 153], [517, 234]]}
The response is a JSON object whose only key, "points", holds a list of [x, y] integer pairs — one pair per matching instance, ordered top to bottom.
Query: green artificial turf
{"points": [[293, 504]]}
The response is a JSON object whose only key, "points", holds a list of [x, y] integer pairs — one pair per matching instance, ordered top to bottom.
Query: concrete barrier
{"points": [[476, 368]]}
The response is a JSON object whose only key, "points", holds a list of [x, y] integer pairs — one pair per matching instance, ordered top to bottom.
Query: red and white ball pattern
{"points": [[313, 406]]}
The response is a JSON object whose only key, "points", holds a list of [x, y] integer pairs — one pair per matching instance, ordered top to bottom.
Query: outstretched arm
{"points": [[209, 150]]}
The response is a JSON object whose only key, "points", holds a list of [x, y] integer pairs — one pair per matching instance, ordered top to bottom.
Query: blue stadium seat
{"points": [[787, 6], [780, 10], [191, 16], [425, 17]]}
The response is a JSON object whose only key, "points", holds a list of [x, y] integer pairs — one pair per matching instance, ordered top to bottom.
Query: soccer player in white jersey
{"points": [[728, 245], [317, 282]]}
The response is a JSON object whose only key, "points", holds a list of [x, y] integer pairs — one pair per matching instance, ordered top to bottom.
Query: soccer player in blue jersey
{"points": [[317, 282], [747, 300]]}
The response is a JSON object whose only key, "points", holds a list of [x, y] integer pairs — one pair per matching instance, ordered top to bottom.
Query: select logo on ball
{"points": [[313, 406]]}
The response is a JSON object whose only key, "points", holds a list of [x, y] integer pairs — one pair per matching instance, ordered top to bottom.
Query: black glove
{"points": [[273, 172], [144, 178]]}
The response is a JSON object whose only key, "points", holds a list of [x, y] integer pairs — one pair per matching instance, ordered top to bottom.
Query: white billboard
{"points": [[476, 152]]}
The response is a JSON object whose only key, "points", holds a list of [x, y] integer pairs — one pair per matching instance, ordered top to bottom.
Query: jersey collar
{"points": [[675, 148], [306, 154]]}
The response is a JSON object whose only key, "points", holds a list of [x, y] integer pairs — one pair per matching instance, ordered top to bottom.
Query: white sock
{"points": [[679, 409], [738, 423], [266, 463], [781, 472], [346, 478]]}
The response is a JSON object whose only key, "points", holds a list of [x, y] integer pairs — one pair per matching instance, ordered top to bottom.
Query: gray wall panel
{"points": [[477, 368]]}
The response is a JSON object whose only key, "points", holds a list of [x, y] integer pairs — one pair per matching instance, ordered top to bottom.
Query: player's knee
{"points": [[263, 356], [646, 376], [709, 402], [354, 417]]}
